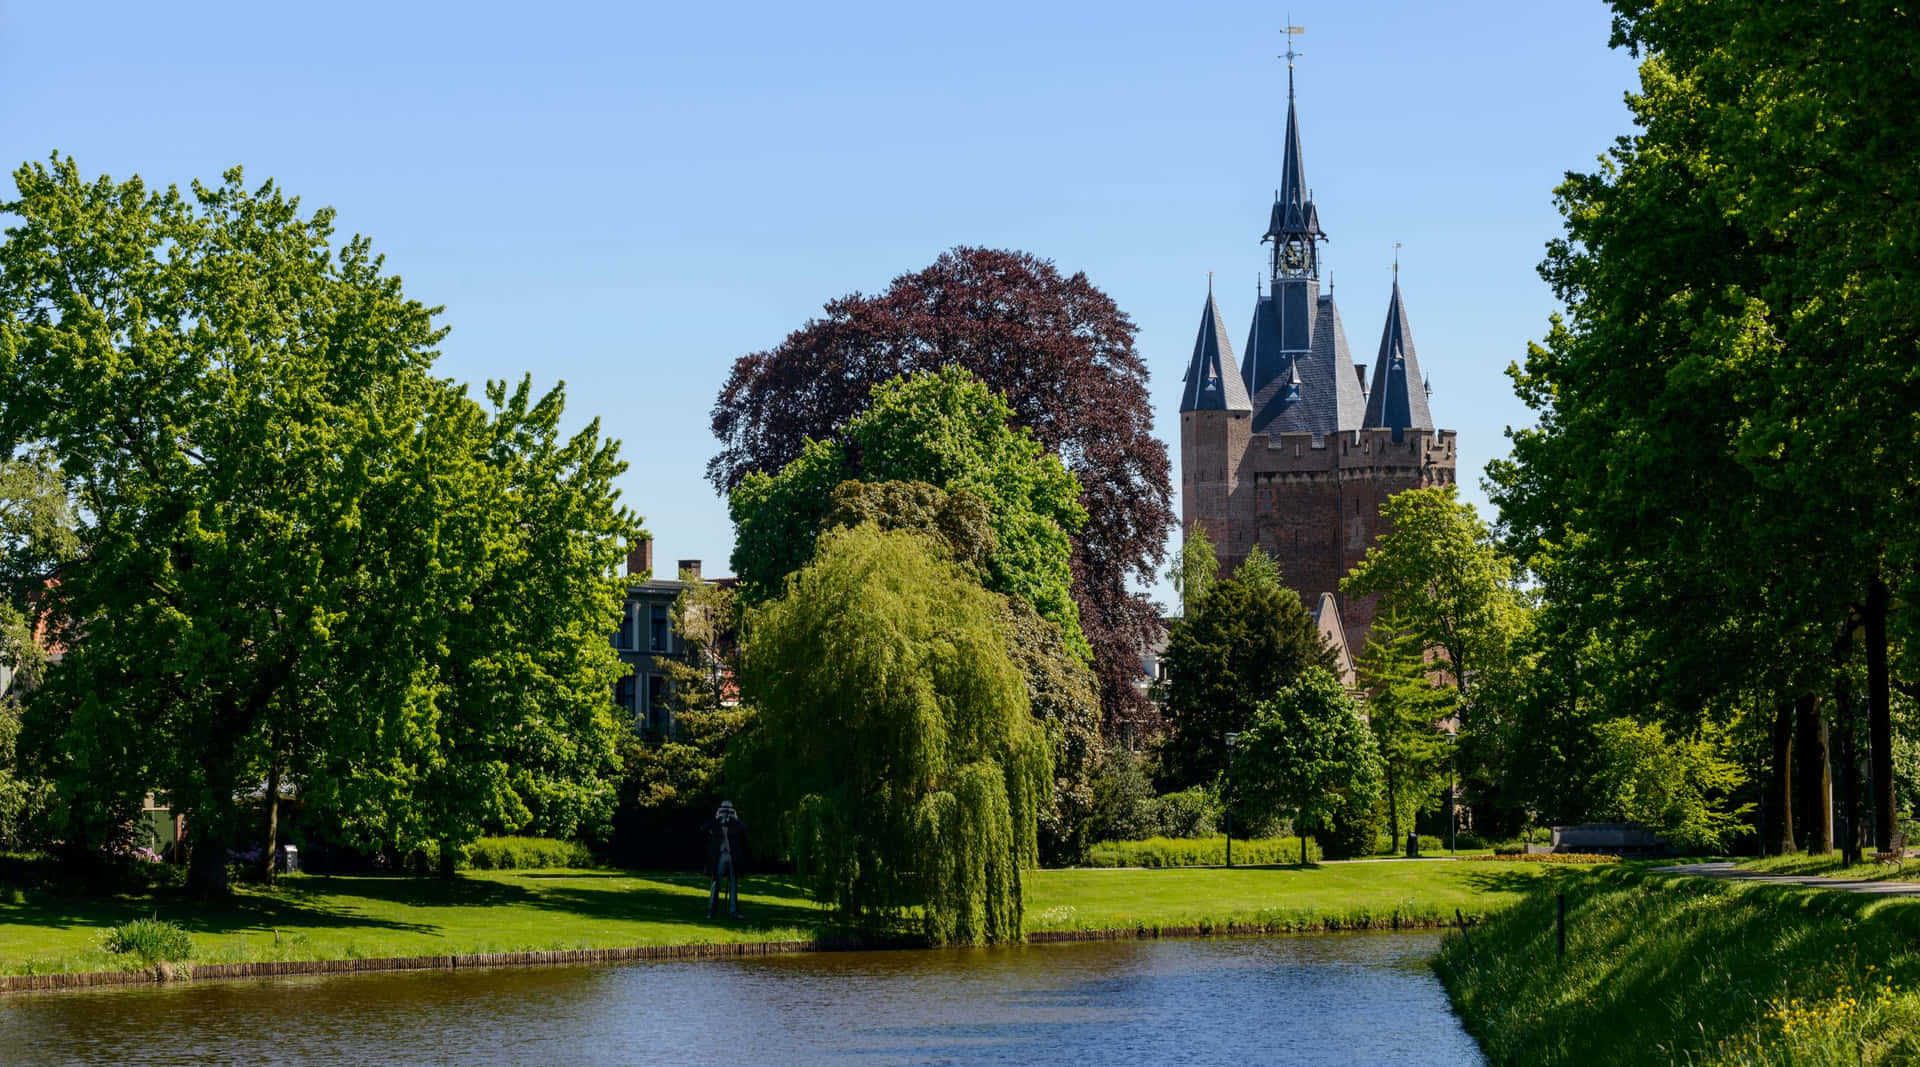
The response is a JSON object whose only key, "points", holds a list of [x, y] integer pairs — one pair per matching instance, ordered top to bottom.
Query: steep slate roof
{"points": [[1293, 210], [1213, 379], [1329, 399], [1398, 400], [1326, 619]]}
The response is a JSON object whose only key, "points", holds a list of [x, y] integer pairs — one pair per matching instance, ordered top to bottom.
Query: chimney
{"points": [[640, 559], [689, 566]]}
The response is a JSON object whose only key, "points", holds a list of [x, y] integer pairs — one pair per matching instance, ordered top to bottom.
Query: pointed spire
{"points": [[1294, 224], [1213, 380], [1397, 401]]}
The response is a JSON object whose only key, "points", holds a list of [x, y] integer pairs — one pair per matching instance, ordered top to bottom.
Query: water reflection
{"points": [[1339, 999]]}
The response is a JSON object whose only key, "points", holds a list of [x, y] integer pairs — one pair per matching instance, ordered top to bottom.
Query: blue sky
{"points": [[627, 197]]}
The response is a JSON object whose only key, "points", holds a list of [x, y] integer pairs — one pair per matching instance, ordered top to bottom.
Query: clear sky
{"points": [[628, 196]]}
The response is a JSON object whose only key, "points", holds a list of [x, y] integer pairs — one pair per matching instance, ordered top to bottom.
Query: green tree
{"points": [[946, 429], [288, 528], [1195, 567], [1438, 569], [1260, 571], [1242, 644], [1061, 690], [1404, 712], [895, 742], [1307, 756], [1682, 787]]}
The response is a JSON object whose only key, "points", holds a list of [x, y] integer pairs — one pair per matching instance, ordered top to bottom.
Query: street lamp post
{"points": [[1231, 738]]}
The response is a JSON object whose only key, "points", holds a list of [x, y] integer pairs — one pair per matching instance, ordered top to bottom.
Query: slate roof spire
{"points": [[1294, 224], [1213, 380], [1398, 399]]}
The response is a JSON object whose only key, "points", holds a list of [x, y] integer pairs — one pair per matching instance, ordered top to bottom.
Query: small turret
{"points": [[1213, 380]]}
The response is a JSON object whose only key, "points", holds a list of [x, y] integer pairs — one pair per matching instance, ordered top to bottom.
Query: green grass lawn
{"points": [[1829, 866], [312, 917], [1681, 969]]}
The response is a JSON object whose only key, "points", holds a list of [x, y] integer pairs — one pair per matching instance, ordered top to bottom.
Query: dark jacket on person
{"points": [[736, 837]]}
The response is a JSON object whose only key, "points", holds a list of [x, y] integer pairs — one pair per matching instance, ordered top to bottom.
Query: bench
{"points": [[1896, 855]]}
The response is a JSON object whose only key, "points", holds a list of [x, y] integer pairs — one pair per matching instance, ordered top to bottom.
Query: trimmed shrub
{"points": [[1199, 852], [524, 853], [151, 940]]}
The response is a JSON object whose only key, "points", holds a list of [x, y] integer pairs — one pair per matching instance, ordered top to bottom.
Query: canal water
{"points": [[1352, 998]]}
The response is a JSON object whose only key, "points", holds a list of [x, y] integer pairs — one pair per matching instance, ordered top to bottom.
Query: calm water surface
{"points": [[1333, 999]]}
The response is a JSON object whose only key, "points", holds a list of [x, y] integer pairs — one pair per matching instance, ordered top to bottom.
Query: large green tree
{"points": [[1734, 380], [946, 429], [294, 542], [1439, 570], [1240, 644], [1405, 712], [1307, 756], [895, 758]]}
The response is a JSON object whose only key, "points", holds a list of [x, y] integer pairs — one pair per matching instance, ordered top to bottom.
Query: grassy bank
{"points": [[373, 916], [1664, 968]]}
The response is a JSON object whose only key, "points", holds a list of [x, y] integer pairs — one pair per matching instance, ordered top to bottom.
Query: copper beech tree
{"points": [[1063, 354]]}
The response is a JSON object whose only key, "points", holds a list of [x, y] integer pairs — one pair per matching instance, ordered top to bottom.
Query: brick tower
{"points": [[1296, 449]]}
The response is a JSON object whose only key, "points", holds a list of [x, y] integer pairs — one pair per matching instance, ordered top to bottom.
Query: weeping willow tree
{"points": [[895, 749]]}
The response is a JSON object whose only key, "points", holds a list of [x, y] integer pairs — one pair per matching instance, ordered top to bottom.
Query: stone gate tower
{"points": [[1295, 447]]}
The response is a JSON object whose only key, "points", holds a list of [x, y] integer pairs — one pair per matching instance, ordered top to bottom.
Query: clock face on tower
{"points": [[1293, 257]]}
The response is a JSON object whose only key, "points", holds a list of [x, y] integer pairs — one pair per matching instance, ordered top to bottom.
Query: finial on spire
{"points": [[1290, 55], [1396, 259], [1209, 283]]}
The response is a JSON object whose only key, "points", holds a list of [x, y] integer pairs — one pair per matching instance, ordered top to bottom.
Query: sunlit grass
{"points": [[374, 916], [1671, 968]]}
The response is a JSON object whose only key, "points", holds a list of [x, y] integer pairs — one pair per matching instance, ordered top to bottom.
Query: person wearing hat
{"points": [[726, 851]]}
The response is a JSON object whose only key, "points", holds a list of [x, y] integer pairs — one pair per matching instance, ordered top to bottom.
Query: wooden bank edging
{"points": [[182, 972]]}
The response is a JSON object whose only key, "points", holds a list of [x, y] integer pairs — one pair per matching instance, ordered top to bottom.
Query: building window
{"points": [[659, 630], [623, 637], [623, 694], [656, 702]]}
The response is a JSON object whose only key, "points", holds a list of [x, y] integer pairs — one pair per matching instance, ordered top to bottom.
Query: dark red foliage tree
{"points": [[1062, 352]]}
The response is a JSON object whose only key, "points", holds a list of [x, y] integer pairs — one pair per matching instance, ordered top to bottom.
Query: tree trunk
{"points": [[1879, 715], [1849, 775], [1815, 776], [1393, 813], [1778, 839], [1303, 848], [449, 852], [267, 871]]}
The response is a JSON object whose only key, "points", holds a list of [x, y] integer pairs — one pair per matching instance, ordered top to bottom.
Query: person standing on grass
{"points": [[726, 851]]}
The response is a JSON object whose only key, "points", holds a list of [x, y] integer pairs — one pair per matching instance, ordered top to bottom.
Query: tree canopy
{"points": [[1055, 346], [946, 429], [299, 555], [1242, 643], [895, 745], [1306, 755]]}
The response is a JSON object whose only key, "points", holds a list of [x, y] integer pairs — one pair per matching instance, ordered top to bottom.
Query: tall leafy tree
{"points": [[1062, 353], [946, 429], [286, 523], [36, 536], [1195, 567], [1439, 570], [1242, 644], [1405, 710], [895, 750], [1306, 755]]}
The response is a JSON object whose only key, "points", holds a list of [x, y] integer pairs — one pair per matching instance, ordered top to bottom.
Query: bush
{"points": [[1188, 813], [1199, 852], [522, 853], [151, 940]]}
